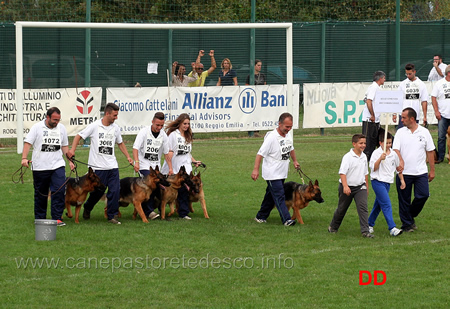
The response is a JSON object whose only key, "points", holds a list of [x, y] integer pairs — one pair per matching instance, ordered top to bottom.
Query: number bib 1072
{"points": [[51, 140]]}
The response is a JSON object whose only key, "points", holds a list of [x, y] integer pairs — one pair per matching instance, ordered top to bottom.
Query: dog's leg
{"points": [[203, 203], [138, 208], [172, 208], [163, 209], [191, 209], [69, 210], [106, 212], [77, 213], [299, 216]]}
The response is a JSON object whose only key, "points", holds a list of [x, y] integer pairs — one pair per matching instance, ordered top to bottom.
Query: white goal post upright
{"points": [[28, 24]]}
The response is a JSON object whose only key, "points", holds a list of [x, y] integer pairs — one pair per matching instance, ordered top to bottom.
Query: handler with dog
{"points": [[104, 133], [50, 142], [150, 143], [277, 148]]}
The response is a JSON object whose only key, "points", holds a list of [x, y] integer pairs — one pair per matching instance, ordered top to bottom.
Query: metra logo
{"points": [[247, 100], [84, 105]]}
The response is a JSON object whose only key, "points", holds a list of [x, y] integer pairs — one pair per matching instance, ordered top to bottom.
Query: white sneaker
{"points": [[153, 215], [186, 218], [371, 229], [395, 231]]}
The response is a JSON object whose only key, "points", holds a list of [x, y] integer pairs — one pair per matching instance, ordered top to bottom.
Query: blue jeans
{"points": [[442, 127], [111, 179], [43, 181], [274, 196], [183, 202], [382, 203], [409, 210]]}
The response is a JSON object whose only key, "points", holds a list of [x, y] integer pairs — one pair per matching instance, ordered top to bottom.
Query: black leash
{"points": [[93, 166], [195, 171], [21, 172], [301, 173]]}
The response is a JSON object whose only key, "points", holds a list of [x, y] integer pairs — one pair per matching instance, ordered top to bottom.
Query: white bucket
{"points": [[45, 229]]}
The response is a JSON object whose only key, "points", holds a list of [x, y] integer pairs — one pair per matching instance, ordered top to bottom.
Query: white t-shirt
{"points": [[434, 76], [441, 91], [414, 93], [370, 95], [103, 140], [47, 143], [413, 147], [150, 148], [276, 151], [181, 153], [354, 167], [387, 167]]}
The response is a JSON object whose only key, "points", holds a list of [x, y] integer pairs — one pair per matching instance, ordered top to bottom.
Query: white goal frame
{"points": [[28, 24]]}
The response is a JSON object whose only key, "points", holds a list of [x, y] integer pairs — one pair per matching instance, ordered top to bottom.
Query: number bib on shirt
{"points": [[412, 92], [51, 140], [106, 141], [152, 147], [182, 148], [286, 148]]}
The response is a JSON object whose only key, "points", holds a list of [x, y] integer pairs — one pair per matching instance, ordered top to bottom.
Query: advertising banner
{"points": [[328, 105], [79, 107], [211, 109]]}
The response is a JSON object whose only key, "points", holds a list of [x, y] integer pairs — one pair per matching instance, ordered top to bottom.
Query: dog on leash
{"points": [[137, 190], [77, 191], [170, 194], [196, 194], [298, 196]]}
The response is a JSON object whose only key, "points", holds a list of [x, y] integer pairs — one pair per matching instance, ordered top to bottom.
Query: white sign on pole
{"points": [[388, 101]]}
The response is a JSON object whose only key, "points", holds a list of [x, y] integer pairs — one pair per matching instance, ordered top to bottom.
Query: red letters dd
{"points": [[376, 273]]}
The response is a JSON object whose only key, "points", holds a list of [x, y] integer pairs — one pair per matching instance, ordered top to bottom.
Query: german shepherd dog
{"points": [[138, 189], [76, 192], [170, 194], [196, 194], [298, 196]]}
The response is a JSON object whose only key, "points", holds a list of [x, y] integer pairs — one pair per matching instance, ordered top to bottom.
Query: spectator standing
{"points": [[198, 68], [437, 72], [227, 76], [178, 77], [260, 78], [415, 93], [440, 97], [371, 119], [50, 143]]}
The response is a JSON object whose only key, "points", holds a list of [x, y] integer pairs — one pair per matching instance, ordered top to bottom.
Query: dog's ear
{"points": [[157, 168], [183, 169], [90, 171], [191, 174], [310, 183], [316, 183]]}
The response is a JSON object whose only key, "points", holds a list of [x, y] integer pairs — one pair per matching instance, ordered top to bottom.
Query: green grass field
{"points": [[228, 261]]}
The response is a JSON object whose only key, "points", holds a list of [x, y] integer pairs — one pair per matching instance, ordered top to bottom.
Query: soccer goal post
{"points": [[20, 25]]}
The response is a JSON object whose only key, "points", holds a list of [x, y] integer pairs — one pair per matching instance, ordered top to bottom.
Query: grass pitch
{"points": [[228, 261]]}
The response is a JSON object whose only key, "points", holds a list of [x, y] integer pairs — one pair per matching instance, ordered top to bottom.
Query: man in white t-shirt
{"points": [[437, 72], [415, 93], [440, 97], [371, 118], [104, 134], [50, 143], [150, 144], [414, 145], [277, 148]]}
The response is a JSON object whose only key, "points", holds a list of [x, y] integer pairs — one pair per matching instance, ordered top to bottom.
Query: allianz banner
{"points": [[329, 105], [79, 107], [211, 109]]}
